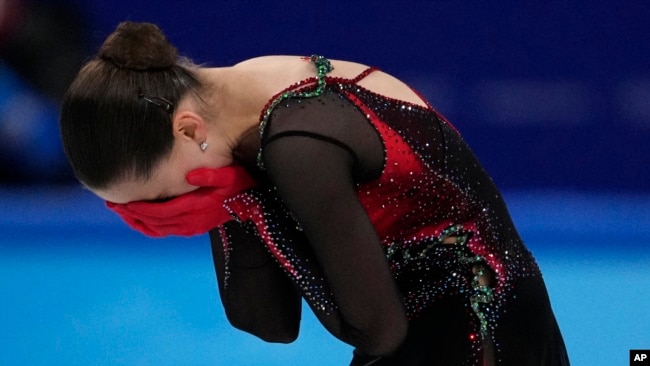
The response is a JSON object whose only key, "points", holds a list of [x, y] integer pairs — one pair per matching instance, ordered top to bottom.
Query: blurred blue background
{"points": [[554, 97]]}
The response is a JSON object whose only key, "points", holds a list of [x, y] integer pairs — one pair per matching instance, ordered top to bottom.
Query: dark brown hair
{"points": [[116, 116]]}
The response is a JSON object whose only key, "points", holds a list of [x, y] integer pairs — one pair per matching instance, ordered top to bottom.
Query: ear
{"points": [[189, 126]]}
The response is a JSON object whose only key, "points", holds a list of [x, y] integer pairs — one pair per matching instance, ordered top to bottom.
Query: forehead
{"points": [[165, 180], [129, 190]]}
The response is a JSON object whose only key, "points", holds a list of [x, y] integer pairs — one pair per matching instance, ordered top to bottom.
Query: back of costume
{"points": [[472, 292]]}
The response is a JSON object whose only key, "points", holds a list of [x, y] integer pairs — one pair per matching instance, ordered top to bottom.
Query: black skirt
{"points": [[527, 334]]}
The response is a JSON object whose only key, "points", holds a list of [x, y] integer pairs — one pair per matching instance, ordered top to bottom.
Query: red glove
{"points": [[193, 213]]}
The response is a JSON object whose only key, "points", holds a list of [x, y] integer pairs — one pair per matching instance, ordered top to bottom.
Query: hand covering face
{"points": [[193, 213]]}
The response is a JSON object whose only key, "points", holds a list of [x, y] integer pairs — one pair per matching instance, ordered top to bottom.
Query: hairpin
{"points": [[158, 101]]}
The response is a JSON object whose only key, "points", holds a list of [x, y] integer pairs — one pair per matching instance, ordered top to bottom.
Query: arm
{"points": [[314, 178], [257, 296]]}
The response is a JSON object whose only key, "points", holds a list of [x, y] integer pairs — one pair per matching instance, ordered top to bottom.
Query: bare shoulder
{"points": [[301, 64], [283, 70]]}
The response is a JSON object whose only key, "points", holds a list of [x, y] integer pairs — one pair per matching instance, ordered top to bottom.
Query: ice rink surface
{"points": [[77, 287]]}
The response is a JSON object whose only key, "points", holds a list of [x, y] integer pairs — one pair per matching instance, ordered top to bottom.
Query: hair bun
{"points": [[138, 46]]}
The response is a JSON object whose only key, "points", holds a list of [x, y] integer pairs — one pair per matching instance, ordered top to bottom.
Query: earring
{"points": [[203, 146]]}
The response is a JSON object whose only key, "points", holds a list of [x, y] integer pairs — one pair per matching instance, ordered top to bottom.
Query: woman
{"points": [[365, 201]]}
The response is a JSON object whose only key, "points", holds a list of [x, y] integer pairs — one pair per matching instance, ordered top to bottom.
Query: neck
{"points": [[236, 99]]}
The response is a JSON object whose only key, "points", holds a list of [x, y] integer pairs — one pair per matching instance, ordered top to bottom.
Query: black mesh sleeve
{"points": [[317, 180], [255, 292]]}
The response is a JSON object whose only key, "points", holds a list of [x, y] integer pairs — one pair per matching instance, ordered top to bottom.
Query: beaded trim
{"points": [[323, 66], [274, 225], [457, 231], [225, 241], [481, 295]]}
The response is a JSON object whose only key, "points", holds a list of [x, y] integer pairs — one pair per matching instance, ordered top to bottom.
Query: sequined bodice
{"points": [[432, 187], [441, 221]]}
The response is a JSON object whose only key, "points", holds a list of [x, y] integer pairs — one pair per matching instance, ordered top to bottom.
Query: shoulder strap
{"points": [[363, 74]]}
